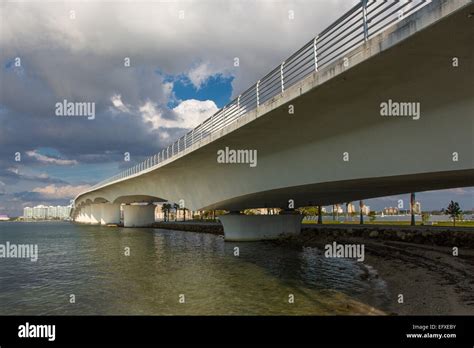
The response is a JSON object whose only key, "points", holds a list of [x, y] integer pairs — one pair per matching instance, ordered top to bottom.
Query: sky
{"points": [[154, 70]]}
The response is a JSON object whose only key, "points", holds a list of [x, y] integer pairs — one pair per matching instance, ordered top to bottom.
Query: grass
{"points": [[393, 223]]}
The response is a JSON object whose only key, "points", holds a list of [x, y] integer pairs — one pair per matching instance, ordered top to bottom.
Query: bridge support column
{"points": [[96, 213], [87, 214], [110, 214], [138, 215], [80, 216], [259, 227]]}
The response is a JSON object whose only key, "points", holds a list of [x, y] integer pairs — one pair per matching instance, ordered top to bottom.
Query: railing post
{"points": [[366, 26], [315, 47], [281, 77], [258, 99], [238, 103]]}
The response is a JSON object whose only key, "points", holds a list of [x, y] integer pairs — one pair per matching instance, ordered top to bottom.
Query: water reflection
{"points": [[90, 262]]}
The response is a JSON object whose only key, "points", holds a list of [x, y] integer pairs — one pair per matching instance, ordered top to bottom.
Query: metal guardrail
{"points": [[359, 24]]}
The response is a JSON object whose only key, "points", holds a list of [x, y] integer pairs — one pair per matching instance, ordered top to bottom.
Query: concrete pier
{"points": [[96, 213], [87, 214], [110, 214], [138, 215], [259, 227]]}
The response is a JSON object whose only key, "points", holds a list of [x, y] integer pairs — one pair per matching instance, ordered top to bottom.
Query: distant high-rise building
{"points": [[351, 208], [417, 208], [365, 209], [391, 211], [41, 212], [28, 213]]}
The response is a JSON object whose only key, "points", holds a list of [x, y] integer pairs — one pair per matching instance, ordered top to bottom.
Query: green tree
{"points": [[165, 208], [176, 208], [453, 210], [184, 213], [372, 216], [425, 217]]}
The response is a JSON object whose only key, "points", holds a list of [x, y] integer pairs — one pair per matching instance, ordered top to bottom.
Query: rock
{"points": [[373, 234]]}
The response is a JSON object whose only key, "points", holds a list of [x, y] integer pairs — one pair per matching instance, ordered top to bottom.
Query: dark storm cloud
{"points": [[82, 60], [13, 175]]}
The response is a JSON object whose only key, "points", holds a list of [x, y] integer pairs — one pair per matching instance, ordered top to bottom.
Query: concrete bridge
{"points": [[379, 103]]}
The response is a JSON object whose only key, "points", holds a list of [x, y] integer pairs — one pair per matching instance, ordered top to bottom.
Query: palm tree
{"points": [[165, 208], [176, 208], [412, 208], [453, 210], [184, 213]]}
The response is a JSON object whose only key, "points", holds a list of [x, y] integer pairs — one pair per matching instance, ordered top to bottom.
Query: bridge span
{"points": [[379, 103]]}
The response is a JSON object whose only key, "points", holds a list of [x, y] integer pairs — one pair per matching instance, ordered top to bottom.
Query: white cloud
{"points": [[260, 34], [200, 73], [118, 104], [192, 112], [151, 113], [188, 114], [50, 160], [14, 170], [460, 191], [60, 192]]}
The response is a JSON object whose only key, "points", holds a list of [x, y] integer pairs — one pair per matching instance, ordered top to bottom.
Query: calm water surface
{"points": [[89, 262]]}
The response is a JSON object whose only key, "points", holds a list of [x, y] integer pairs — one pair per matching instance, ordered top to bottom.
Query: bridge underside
{"points": [[336, 146], [350, 190]]}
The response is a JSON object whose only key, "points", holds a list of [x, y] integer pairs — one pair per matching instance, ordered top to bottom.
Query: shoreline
{"points": [[415, 261], [431, 280]]}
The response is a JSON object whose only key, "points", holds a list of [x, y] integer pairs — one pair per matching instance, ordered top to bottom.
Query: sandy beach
{"points": [[431, 279]]}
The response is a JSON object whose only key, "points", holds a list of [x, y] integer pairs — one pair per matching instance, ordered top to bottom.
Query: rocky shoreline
{"points": [[414, 261], [419, 265]]}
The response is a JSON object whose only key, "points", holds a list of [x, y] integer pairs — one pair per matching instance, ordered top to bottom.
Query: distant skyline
{"points": [[153, 69]]}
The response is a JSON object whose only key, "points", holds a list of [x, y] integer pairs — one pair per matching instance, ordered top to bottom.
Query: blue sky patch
{"points": [[217, 88]]}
